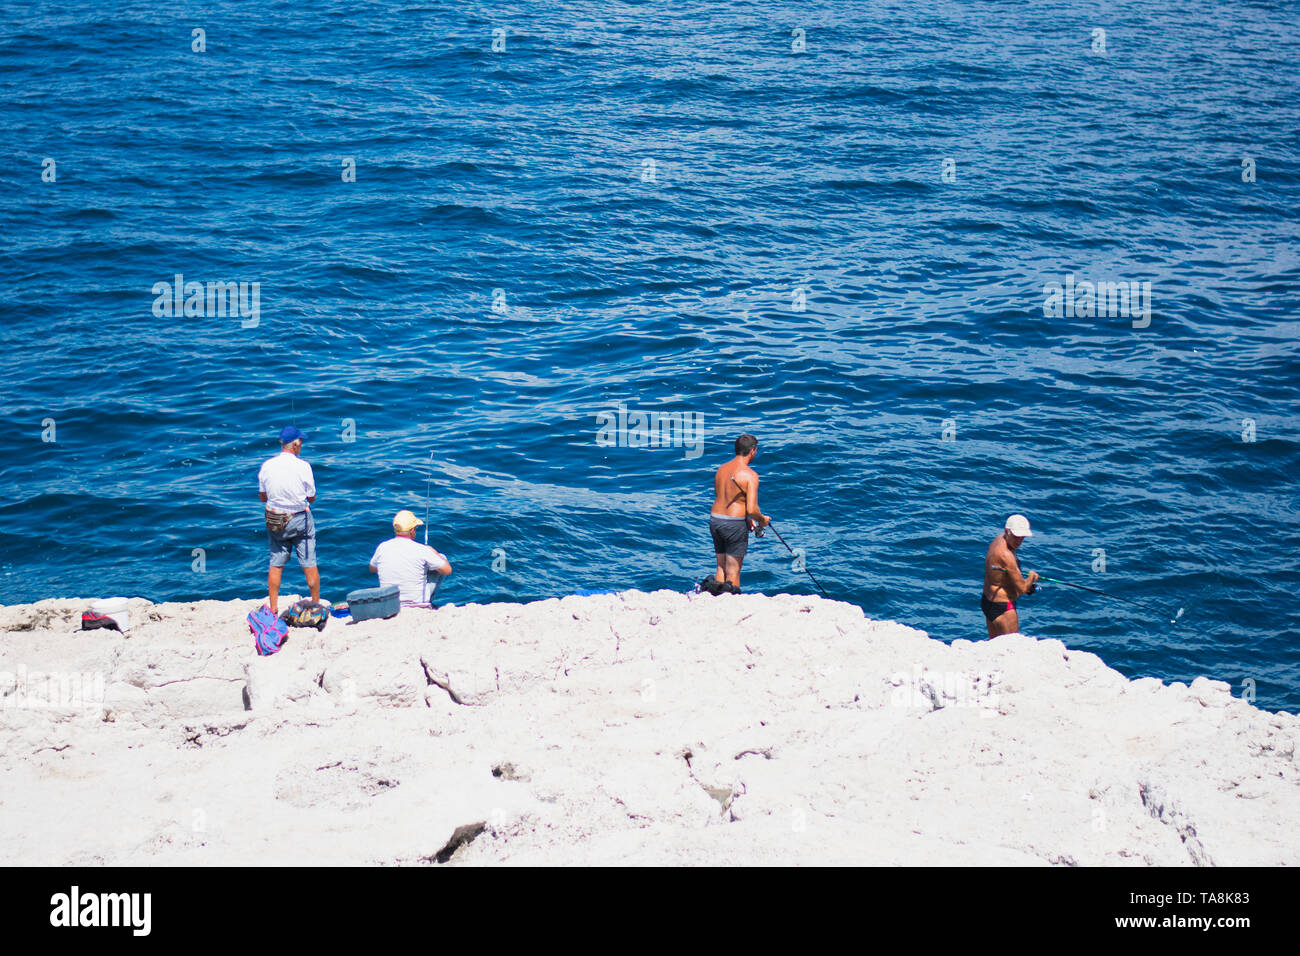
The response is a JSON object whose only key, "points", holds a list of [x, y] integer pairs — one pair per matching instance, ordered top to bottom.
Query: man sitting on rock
{"points": [[404, 562], [1003, 582]]}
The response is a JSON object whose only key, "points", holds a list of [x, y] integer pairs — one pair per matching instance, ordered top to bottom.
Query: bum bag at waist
{"points": [[276, 521]]}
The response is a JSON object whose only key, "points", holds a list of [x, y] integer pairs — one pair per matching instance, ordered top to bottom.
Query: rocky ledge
{"points": [[632, 728]]}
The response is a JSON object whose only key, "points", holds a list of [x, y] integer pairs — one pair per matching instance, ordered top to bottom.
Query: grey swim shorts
{"points": [[730, 535]]}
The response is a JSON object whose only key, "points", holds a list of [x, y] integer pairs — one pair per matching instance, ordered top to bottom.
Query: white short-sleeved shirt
{"points": [[287, 482], [404, 561]]}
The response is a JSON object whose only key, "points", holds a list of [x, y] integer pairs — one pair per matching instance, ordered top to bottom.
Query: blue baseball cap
{"points": [[289, 433]]}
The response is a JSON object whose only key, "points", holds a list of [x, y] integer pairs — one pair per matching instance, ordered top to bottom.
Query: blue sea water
{"points": [[841, 248]]}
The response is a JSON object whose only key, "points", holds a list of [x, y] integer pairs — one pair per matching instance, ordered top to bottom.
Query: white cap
{"points": [[1019, 526]]}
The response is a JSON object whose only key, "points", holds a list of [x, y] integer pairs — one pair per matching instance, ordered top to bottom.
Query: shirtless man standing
{"points": [[735, 512], [1003, 583]]}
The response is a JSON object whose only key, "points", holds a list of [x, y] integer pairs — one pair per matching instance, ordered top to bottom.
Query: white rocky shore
{"points": [[617, 729]]}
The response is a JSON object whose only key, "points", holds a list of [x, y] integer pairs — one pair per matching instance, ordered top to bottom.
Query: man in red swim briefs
{"points": [[1003, 582]]}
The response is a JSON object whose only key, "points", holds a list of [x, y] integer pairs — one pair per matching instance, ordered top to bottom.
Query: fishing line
{"points": [[427, 484], [799, 559], [1107, 594]]}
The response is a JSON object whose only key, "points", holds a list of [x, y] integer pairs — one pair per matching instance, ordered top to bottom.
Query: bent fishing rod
{"points": [[427, 485], [802, 564], [429, 575], [1107, 594]]}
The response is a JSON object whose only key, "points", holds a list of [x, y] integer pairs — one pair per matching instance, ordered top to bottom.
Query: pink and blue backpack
{"points": [[268, 630]]}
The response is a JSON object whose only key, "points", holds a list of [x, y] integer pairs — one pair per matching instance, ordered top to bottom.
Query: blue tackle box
{"points": [[370, 603]]}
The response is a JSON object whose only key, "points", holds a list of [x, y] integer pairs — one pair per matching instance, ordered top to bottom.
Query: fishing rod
{"points": [[428, 482], [801, 562], [428, 594], [1113, 597]]}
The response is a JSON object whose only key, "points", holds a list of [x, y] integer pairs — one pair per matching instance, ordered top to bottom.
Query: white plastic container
{"points": [[116, 608]]}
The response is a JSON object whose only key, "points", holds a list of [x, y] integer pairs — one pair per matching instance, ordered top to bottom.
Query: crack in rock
{"points": [[187, 680], [445, 684], [193, 734], [508, 771], [725, 796], [1161, 807], [461, 836]]}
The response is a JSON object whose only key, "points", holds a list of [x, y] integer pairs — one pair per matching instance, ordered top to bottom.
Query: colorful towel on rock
{"points": [[268, 630]]}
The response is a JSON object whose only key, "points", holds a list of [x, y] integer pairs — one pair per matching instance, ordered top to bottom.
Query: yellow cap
{"points": [[405, 521]]}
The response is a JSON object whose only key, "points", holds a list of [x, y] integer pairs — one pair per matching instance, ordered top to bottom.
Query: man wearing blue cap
{"points": [[287, 487]]}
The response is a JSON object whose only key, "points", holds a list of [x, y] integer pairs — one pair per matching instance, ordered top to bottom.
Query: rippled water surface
{"points": [[841, 249]]}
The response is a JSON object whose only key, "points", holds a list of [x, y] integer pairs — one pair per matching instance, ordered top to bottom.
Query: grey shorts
{"points": [[730, 535], [299, 536]]}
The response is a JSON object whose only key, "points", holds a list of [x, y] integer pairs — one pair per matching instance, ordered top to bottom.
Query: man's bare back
{"points": [[731, 484], [735, 512]]}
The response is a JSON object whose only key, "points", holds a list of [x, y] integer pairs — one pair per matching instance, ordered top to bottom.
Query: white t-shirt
{"points": [[287, 482], [404, 561]]}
